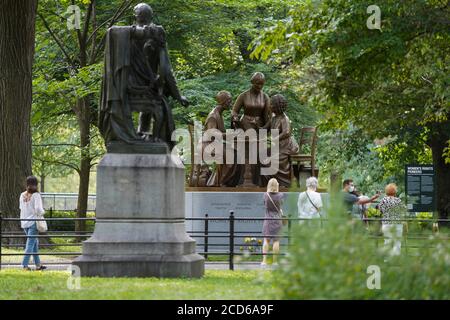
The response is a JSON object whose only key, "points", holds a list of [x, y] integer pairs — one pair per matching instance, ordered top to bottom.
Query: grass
{"points": [[224, 285]]}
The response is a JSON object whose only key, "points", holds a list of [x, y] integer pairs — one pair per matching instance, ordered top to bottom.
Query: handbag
{"points": [[315, 207], [284, 220], [41, 225]]}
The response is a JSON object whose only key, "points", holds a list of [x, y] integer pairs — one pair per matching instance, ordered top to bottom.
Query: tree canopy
{"points": [[390, 83]]}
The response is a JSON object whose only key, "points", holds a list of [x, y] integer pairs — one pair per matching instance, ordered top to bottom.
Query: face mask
{"points": [[351, 189]]}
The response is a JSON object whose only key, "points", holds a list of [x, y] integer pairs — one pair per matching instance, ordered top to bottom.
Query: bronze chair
{"points": [[306, 155]]}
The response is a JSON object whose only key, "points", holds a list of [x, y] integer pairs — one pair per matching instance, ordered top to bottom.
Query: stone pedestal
{"points": [[140, 227]]}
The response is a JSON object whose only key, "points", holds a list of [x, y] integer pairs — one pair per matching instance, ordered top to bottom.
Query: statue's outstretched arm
{"points": [[236, 109]]}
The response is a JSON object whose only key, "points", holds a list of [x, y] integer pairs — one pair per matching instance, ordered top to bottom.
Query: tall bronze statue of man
{"points": [[138, 77]]}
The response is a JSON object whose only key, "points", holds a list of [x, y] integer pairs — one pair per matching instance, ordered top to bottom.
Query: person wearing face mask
{"points": [[350, 198]]}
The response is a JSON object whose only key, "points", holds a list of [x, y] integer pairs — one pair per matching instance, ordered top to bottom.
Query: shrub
{"points": [[373, 213], [424, 216], [67, 225], [332, 263]]}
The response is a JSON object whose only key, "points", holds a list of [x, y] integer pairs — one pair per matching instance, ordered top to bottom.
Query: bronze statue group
{"points": [[138, 77], [253, 110]]}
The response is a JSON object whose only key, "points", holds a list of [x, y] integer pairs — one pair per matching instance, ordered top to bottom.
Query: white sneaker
{"points": [[263, 264]]}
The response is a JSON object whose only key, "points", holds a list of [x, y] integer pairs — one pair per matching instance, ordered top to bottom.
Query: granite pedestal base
{"points": [[140, 226]]}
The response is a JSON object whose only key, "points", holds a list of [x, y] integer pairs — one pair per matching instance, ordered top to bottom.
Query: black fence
{"points": [[54, 238]]}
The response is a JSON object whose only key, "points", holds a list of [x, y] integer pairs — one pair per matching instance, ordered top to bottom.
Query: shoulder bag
{"points": [[315, 207], [284, 220]]}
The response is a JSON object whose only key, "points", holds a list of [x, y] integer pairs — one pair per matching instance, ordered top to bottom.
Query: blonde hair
{"points": [[272, 186], [391, 189]]}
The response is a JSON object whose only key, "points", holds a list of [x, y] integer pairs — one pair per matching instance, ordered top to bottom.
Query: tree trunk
{"points": [[17, 25], [243, 40], [440, 134], [85, 162], [335, 181], [42, 183]]}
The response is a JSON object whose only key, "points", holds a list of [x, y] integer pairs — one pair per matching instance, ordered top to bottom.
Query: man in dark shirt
{"points": [[350, 199]]}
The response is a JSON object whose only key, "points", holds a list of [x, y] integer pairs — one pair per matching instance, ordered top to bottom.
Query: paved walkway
{"points": [[208, 266]]}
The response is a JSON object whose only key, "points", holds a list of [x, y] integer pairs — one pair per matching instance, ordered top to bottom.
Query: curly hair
{"points": [[279, 103], [391, 189]]}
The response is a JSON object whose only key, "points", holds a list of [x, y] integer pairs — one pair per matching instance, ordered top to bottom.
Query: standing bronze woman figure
{"points": [[257, 114]]}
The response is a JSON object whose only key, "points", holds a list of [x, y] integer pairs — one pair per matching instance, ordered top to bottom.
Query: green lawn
{"points": [[242, 285]]}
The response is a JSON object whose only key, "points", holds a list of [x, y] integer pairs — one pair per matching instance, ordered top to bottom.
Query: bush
{"points": [[373, 213], [424, 216], [67, 225], [374, 227], [332, 263]]}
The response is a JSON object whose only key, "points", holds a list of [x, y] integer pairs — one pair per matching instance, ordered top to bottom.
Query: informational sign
{"points": [[420, 188]]}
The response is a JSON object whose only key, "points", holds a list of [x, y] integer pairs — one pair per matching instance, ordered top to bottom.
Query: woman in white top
{"points": [[309, 202], [31, 208]]}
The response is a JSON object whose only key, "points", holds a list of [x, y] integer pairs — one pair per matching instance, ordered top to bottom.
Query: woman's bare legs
{"points": [[265, 248], [276, 250]]}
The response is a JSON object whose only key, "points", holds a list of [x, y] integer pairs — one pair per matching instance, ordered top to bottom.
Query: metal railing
{"points": [[66, 201], [206, 234]]}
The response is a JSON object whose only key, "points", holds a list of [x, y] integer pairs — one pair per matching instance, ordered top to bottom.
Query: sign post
{"points": [[420, 188]]}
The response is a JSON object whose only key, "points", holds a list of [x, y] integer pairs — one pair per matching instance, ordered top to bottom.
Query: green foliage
{"points": [[207, 37], [63, 76], [390, 84], [202, 92], [56, 137], [350, 153], [447, 153], [373, 213], [424, 216], [67, 225], [251, 245], [332, 263]]}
